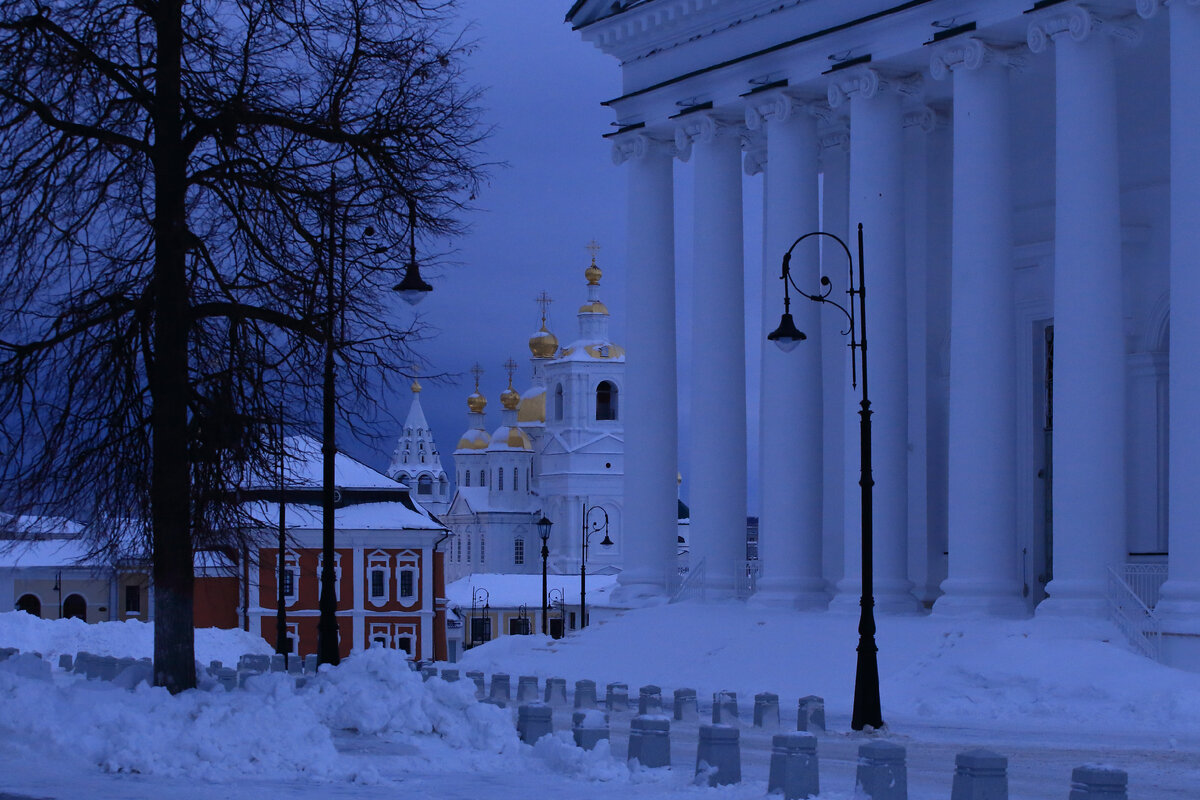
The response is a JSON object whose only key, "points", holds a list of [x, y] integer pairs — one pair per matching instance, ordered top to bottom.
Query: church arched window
{"points": [[606, 400], [558, 401], [467, 476], [482, 478], [500, 479], [514, 479], [425, 485]]}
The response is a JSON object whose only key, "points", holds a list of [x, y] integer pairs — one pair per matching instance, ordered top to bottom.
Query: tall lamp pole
{"points": [[543, 526], [587, 535], [283, 645], [867, 709]]}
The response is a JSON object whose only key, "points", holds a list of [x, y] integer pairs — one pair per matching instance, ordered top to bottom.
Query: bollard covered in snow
{"points": [[8, 652], [81, 661], [64, 662], [278, 662], [310, 664], [213, 666], [295, 666], [108, 668], [131, 672], [449, 675], [227, 677], [477, 677], [501, 688], [527, 689], [556, 691], [585, 694], [616, 697], [650, 700], [685, 705], [725, 708], [766, 710], [810, 714], [534, 720], [589, 727], [650, 740], [719, 755], [794, 765], [881, 773], [980, 775], [1098, 782]]}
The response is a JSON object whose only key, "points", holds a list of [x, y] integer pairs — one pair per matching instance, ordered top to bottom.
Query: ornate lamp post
{"points": [[412, 289], [543, 526], [587, 535], [476, 594], [558, 601], [867, 709]]}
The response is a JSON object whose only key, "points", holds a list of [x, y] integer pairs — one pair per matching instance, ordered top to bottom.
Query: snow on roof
{"points": [[304, 467], [478, 501], [360, 516], [38, 526], [45, 553], [510, 591]]}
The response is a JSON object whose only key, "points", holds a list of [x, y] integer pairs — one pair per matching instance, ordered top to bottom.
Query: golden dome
{"points": [[593, 274], [595, 307], [543, 344], [416, 386], [509, 398], [476, 402], [532, 408], [519, 439], [474, 440]]}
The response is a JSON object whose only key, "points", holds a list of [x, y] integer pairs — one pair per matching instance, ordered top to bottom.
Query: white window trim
{"points": [[379, 561], [291, 564], [337, 574]]}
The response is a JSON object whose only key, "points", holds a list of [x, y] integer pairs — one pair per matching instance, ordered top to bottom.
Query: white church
{"points": [[1027, 175]]}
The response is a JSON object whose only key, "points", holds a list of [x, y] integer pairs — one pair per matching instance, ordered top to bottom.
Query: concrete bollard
{"points": [[8, 652], [64, 662], [258, 662], [277, 662], [310, 664], [80, 665], [214, 665], [295, 666], [93, 667], [108, 668], [428, 672], [450, 675], [226, 677], [477, 677], [501, 688], [527, 689], [556, 691], [585, 694], [616, 697], [650, 700], [685, 705], [725, 708], [766, 711], [810, 714], [534, 720], [589, 727], [650, 740], [719, 755], [794, 765], [881, 773], [980, 775], [1096, 782]]}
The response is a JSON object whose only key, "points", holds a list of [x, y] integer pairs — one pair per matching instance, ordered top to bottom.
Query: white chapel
{"points": [[1027, 175]]}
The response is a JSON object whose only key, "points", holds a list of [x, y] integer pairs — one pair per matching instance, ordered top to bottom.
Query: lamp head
{"points": [[412, 289], [787, 335], [543, 526], [606, 542]]}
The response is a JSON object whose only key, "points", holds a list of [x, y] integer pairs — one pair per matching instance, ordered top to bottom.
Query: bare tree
{"points": [[168, 174]]}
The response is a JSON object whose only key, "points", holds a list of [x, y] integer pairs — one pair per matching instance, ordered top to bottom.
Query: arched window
{"points": [[606, 400], [558, 401], [467, 476], [482, 478], [500, 479], [514, 479], [425, 485], [482, 546], [518, 551], [30, 604], [75, 606]]}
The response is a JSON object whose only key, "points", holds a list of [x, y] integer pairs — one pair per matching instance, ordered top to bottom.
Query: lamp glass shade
{"points": [[412, 289], [787, 335], [543, 526], [606, 542]]}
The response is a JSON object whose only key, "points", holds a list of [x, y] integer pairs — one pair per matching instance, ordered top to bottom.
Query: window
{"points": [[606, 400], [558, 401], [467, 477], [482, 478], [500, 479], [514, 479], [424, 483], [482, 544], [459, 549], [468, 549], [518, 551], [291, 576], [377, 576], [407, 583], [289, 584], [133, 600], [30, 604], [75, 606], [405, 644]]}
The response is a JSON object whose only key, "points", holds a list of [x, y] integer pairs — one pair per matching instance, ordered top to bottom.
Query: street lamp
{"points": [[412, 289], [543, 526], [587, 535], [476, 593], [557, 599], [866, 680]]}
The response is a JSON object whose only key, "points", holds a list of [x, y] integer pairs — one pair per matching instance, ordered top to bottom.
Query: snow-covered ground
{"points": [[1048, 696]]}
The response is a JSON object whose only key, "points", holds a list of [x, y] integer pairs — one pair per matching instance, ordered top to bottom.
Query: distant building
{"points": [[416, 462]]}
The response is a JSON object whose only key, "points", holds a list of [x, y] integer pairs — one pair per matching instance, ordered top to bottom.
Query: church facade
{"points": [[1027, 178]]}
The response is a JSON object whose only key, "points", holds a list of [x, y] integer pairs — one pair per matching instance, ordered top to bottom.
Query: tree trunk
{"points": [[174, 649]]}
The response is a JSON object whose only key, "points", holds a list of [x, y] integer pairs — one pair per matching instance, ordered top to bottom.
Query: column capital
{"points": [[1147, 9], [1078, 22], [971, 54], [866, 83], [779, 106], [922, 117], [705, 129], [834, 138], [633, 146], [755, 159]]}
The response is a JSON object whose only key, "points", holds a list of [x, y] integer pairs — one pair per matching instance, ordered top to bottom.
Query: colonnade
{"points": [[809, 441]]}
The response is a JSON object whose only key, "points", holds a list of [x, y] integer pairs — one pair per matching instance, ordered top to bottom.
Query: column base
{"points": [[637, 593], [801, 594], [891, 597], [963, 597], [1074, 598], [1178, 609]]}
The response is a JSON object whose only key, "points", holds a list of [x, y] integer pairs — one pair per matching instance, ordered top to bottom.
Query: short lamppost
{"points": [[412, 289], [543, 526], [595, 527], [476, 594], [558, 600], [866, 680]]}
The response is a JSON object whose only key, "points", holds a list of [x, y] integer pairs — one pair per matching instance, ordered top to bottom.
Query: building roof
{"points": [[380, 516], [46, 553]]}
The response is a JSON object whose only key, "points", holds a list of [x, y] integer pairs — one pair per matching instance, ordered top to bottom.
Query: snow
{"points": [[44, 553], [509, 591]]}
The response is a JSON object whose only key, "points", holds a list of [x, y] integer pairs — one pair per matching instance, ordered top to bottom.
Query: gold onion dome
{"points": [[593, 274], [594, 307], [543, 344], [416, 386], [509, 398], [476, 402]]}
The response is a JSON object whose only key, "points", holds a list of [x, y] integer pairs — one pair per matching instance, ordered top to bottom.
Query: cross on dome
{"points": [[593, 247], [544, 300]]}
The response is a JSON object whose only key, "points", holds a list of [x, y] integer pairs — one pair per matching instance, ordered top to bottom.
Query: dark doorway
{"points": [[30, 604], [75, 606]]}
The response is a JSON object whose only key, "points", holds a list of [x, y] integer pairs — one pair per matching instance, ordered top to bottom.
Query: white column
{"points": [[877, 201], [1089, 352], [835, 355], [648, 400], [790, 440], [718, 447], [983, 574], [1179, 605]]}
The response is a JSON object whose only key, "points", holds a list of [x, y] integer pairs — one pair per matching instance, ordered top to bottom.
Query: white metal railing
{"points": [[746, 575], [1145, 580], [692, 585], [1136, 620]]}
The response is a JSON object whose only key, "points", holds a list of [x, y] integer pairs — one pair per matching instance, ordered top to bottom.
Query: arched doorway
{"points": [[30, 604], [75, 606]]}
